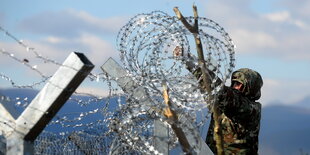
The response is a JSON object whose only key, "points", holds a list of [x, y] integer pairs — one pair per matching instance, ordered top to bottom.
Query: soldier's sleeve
{"points": [[198, 74], [232, 102]]}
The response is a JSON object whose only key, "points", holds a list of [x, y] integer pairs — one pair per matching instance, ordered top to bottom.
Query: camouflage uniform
{"points": [[239, 114]]}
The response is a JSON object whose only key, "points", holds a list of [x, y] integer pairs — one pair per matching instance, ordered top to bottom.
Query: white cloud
{"points": [[300, 8], [281, 16], [285, 17], [70, 23], [110, 24], [301, 24], [72, 30], [271, 33], [280, 34], [54, 40], [247, 40], [96, 49], [99, 50], [17, 69], [284, 91], [99, 92]]}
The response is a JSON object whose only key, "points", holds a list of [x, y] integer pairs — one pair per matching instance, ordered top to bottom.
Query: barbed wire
{"points": [[146, 45], [44, 59], [87, 113], [120, 119]]}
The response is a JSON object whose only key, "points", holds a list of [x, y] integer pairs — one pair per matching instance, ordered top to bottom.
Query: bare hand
{"points": [[178, 51]]}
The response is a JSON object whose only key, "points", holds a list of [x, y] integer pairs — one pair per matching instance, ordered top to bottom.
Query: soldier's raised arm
{"points": [[193, 67]]}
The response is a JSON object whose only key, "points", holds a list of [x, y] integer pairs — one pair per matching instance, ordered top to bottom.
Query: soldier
{"points": [[239, 112]]}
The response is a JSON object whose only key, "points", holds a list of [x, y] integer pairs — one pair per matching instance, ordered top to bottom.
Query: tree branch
{"points": [[184, 21], [205, 75], [170, 114]]}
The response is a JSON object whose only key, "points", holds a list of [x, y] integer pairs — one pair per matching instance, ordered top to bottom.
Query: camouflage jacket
{"points": [[239, 114], [240, 123]]}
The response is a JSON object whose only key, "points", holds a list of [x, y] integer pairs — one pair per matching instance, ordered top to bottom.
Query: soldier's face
{"points": [[237, 85]]}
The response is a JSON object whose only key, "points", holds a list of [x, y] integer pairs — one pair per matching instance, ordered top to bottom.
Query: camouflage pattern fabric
{"points": [[251, 80], [239, 114]]}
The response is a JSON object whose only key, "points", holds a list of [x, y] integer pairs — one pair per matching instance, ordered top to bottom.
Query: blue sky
{"points": [[271, 37]]}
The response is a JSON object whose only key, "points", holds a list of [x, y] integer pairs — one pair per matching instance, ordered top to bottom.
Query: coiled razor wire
{"points": [[146, 45]]}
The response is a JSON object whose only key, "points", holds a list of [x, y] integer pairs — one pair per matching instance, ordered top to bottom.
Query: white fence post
{"points": [[114, 70], [129, 86], [21, 132]]}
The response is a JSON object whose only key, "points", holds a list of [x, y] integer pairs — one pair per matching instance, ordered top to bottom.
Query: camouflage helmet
{"points": [[251, 80]]}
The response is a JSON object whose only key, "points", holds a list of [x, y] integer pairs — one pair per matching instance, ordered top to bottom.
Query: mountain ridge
{"points": [[284, 128]]}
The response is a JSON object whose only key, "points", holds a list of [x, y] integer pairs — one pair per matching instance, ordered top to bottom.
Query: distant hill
{"points": [[304, 103], [71, 110], [285, 130]]}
